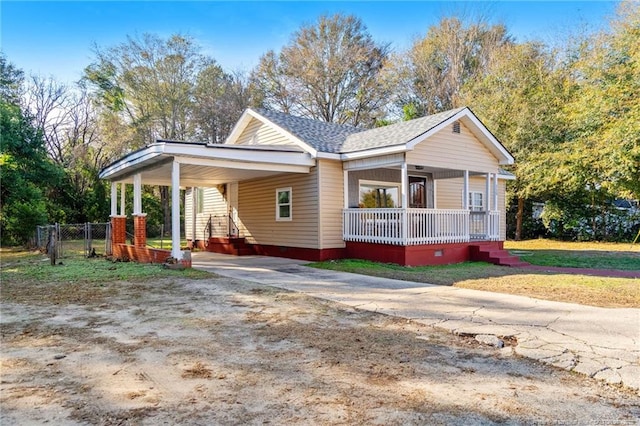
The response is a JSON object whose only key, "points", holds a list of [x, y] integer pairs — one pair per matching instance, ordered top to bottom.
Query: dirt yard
{"points": [[218, 351]]}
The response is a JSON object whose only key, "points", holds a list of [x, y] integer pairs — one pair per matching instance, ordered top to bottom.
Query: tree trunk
{"points": [[166, 209], [519, 216]]}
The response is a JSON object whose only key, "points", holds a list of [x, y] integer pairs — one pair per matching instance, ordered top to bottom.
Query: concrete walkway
{"points": [[599, 342]]}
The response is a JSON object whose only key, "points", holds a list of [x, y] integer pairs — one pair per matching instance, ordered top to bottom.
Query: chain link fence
{"points": [[74, 239]]}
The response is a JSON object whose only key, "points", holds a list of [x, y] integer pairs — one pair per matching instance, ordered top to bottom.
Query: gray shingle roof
{"points": [[395, 134], [322, 136], [339, 138]]}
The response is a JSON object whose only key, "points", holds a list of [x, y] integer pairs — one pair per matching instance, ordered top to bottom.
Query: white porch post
{"points": [[346, 188], [123, 191], [465, 191], [495, 192], [487, 193], [137, 194], [114, 199], [405, 200], [176, 253]]}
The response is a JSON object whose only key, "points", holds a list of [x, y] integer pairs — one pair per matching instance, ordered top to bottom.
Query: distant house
{"points": [[425, 191]]}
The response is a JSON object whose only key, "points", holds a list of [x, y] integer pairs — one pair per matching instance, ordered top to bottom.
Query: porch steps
{"points": [[225, 245], [489, 253]]}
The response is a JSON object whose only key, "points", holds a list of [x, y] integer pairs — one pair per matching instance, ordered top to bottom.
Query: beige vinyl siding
{"points": [[257, 133], [459, 151], [330, 176], [449, 193], [214, 206], [257, 210]]}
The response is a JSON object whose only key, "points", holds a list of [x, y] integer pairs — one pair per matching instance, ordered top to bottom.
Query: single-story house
{"points": [[424, 191]]}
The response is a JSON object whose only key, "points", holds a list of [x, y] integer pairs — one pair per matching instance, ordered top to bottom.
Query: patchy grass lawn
{"points": [[623, 256], [80, 278], [573, 288]]}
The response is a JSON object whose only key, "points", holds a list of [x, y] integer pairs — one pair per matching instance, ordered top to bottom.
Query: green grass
{"points": [[591, 255], [17, 266], [442, 275], [574, 288]]}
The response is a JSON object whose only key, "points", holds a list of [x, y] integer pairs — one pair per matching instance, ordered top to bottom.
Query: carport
{"points": [[186, 164]]}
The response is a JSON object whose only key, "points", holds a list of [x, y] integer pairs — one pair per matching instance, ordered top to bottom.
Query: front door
{"points": [[420, 192]]}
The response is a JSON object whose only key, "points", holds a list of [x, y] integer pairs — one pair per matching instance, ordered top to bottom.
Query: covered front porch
{"points": [[389, 200]]}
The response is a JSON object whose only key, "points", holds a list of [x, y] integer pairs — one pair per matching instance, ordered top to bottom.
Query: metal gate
{"points": [[75, 239]]}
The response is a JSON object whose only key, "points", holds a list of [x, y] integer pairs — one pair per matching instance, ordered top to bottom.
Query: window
{"points": [[379, 194], [200, 200], [476, 201], [283, 204]]}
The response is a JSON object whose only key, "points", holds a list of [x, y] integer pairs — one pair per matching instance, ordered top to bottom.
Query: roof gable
{"points": [[311, 135], [351, 142]]}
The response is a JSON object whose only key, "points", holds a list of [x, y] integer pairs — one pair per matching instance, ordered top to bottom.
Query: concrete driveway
{"points": [[599, 342]]}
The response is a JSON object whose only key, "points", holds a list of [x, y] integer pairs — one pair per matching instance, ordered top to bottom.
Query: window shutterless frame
{"points": [[284, 205]]}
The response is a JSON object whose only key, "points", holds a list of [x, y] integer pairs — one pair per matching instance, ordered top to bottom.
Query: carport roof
{"points": [[206, 165]]}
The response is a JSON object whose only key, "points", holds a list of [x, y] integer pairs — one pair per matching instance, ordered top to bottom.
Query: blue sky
{"points": [[56, 38]]}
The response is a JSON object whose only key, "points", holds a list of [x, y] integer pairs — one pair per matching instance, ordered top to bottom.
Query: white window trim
{"points": [[381, 183], [290, 204], [472, 206]]}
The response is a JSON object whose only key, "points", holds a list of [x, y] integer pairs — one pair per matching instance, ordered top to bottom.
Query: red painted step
{"points": [[233, 246], [492, 254]]}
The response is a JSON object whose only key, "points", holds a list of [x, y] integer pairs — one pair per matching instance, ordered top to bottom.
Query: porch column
{"points": [[404, 179], [345, 184], [465, 191], [495, 192], [123, 193], [137, 193], [487, 193], [114, 199], [405, 201], [139, 218], [118, 224], [176, 253]]}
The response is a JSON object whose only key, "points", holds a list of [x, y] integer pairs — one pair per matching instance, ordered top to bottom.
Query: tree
{"points": [[434, 70], [329, 71], [147, 84], [220, 98], [520, 98], [603, 149], [27, 173]]}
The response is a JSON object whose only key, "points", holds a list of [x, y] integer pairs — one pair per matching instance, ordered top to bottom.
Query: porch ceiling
{"points": [[202, 165]]}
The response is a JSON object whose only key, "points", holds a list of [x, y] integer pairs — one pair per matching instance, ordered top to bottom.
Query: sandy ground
{"points": [[219, 351]]}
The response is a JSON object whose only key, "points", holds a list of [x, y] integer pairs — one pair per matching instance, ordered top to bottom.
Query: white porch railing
{"points": [[419, 226]]}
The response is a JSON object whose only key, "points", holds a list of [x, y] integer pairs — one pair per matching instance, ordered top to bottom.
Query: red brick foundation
{"points": [[314, 255]]}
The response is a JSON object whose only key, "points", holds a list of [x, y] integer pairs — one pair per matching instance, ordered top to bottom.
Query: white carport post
{"points": [[123, 193], [137, 194], [114, 198], [176, 253]]}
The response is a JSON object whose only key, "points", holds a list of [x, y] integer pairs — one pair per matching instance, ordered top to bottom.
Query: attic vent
{"points": [[456, 127]]}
